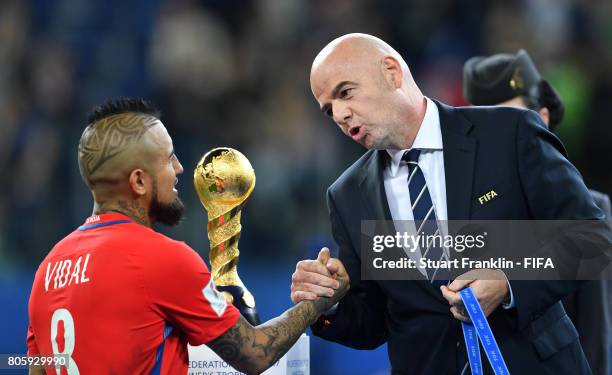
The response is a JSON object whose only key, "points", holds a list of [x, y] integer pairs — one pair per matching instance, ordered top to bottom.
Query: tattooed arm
{"points": [[253, 349]]}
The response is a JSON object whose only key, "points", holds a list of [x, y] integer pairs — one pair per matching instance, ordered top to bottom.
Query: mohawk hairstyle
{"points": [[122, 105]]}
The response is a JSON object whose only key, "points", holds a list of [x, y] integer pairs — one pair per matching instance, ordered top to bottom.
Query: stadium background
{"points": [[235, 73]]}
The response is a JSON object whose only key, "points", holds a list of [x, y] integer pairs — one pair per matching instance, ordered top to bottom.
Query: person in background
{"points": [[513, 80]]}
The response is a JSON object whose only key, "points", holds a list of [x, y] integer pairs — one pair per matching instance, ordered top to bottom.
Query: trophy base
{"points": [[243, 300]]}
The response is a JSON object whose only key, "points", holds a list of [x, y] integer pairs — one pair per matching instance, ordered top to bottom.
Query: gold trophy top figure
{"points": [[224, 179]]}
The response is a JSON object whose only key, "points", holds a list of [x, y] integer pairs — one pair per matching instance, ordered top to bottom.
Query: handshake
{"points": [[326, 277]]}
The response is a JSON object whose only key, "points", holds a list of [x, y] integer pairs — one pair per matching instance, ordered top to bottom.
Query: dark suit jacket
{"points": [[485, 148], [589, 308]]}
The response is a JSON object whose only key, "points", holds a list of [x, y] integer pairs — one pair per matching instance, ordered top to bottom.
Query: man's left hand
{"points": [[489, 286]]}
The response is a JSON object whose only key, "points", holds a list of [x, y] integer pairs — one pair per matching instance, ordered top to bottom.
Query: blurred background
{"points": [[235, 73]]}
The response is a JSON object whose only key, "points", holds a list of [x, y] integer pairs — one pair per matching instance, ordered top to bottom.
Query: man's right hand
{"points": [[323, 277]]}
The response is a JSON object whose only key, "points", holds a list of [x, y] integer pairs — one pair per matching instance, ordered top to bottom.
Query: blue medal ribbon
{"points": [[480, 329]]}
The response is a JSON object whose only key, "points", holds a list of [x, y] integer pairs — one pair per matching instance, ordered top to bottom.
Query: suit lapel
{"points": [[459, 158], [372, 188], [377, 207]]}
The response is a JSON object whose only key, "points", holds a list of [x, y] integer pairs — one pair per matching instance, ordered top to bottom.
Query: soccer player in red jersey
{"points": [[117, 297]]}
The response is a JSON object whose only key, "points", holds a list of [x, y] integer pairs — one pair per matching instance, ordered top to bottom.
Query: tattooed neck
{"points": [[131, 209]]}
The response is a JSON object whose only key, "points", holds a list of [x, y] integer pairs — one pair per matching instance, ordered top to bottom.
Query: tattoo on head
{"points": [[113, 127], [105, 139]]}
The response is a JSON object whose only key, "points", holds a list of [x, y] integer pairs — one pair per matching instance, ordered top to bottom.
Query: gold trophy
{"points": [[224, 179]]}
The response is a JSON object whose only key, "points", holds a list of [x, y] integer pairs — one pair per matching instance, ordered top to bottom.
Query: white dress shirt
{"points": [[431, 163]]}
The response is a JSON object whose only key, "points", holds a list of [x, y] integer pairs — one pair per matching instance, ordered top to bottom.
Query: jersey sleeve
{"points": [[181, 289], [31, 342]]}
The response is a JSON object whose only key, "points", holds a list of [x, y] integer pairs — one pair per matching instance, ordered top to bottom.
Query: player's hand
{"points": [[313, 279], [489, 286]]}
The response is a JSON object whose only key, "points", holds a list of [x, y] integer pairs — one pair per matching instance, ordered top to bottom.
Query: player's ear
{"points": [[392, 71], [139, 182]]}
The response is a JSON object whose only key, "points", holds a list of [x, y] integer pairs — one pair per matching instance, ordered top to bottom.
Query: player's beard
{"points": [[166, 213]]}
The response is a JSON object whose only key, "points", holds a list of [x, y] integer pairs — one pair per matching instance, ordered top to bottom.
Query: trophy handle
{"points": [[241, 298]]}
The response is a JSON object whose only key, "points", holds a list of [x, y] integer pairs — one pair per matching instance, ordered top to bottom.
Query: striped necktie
{"points": [[425, 217]]}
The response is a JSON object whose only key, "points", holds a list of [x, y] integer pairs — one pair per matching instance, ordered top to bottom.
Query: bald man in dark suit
{"points": [[455, 154]]}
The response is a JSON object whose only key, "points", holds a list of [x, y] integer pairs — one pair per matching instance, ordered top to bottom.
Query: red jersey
{"points": [[120, 298]]}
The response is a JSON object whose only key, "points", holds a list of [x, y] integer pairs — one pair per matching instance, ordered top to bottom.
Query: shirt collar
{"points": [[429, 136], [106, 217], [103, 220]]}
